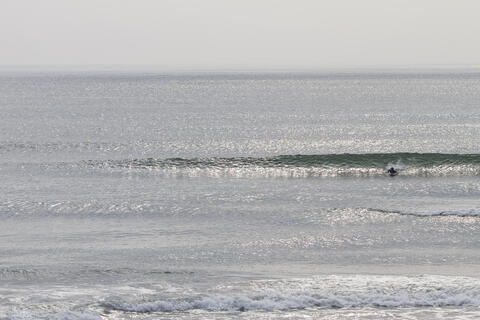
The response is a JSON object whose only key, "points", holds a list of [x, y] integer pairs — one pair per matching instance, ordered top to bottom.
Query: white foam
{"points": [[291, 171], [328, 292], [271, 302]]}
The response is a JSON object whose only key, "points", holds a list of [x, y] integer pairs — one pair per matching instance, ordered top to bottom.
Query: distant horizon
{"points": [[191, 69]]}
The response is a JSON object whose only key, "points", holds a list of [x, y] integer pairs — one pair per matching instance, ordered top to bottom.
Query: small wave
{"points": [[51, 147], [328, 165], [91, 207], [473, 212], [12, 273], [18, 274], [334, 292], [67, 315], [71, 315]]}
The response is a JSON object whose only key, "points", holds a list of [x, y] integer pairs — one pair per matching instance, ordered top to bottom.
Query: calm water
{"points": [[242, 196]]}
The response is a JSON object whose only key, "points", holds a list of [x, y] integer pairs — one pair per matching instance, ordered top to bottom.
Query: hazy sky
{"points": [[255, 34]]}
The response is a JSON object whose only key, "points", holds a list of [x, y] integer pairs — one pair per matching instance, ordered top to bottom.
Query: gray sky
{"points": [[252, 34]]}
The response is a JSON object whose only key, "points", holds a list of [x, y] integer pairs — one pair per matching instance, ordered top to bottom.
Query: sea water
{"points": [[128, 195]]}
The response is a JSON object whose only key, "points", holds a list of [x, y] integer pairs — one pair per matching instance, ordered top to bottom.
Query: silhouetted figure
{"points": [[392, 171]]}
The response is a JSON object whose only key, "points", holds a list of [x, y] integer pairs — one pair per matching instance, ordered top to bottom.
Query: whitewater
{"points": [[127, 195]]}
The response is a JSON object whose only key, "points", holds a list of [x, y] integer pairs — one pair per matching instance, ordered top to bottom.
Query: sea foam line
{"points": [[326, 292], [279, 301]]}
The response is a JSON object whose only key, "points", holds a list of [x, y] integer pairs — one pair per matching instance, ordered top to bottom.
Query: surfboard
{"points": [[393, 174]]}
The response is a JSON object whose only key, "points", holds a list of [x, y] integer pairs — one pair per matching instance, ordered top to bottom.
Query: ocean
{"points": [[136, 195]]}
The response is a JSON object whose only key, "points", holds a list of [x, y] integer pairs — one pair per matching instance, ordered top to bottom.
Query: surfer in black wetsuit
{"points": [[392, 171]]}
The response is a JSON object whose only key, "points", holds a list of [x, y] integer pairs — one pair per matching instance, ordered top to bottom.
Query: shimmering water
{"points": [[199, 196]]}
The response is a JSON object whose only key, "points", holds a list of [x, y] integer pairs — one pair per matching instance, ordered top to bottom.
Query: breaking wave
{"points": [[327, 165], [328, 292]]}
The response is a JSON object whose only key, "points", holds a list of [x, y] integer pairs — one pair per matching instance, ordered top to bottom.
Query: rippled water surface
{"points": [[200, 196]]}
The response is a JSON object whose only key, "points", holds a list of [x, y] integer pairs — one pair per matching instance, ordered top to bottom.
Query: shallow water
{"points": [[146, 196]]}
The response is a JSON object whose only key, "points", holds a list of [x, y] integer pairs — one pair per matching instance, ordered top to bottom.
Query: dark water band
{"points": [[344, 161]]}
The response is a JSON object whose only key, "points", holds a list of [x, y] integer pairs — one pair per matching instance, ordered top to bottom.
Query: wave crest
{"points": [[329, 165], [471, 212]]}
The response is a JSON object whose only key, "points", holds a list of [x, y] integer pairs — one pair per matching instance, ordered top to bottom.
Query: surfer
{"points": [[392, 171]]}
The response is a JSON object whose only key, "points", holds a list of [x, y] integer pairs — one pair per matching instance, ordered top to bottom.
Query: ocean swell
{"points": [[328, 165]]}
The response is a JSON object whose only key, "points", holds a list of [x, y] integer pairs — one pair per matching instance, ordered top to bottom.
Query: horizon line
{"points": [[156, 68]]}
